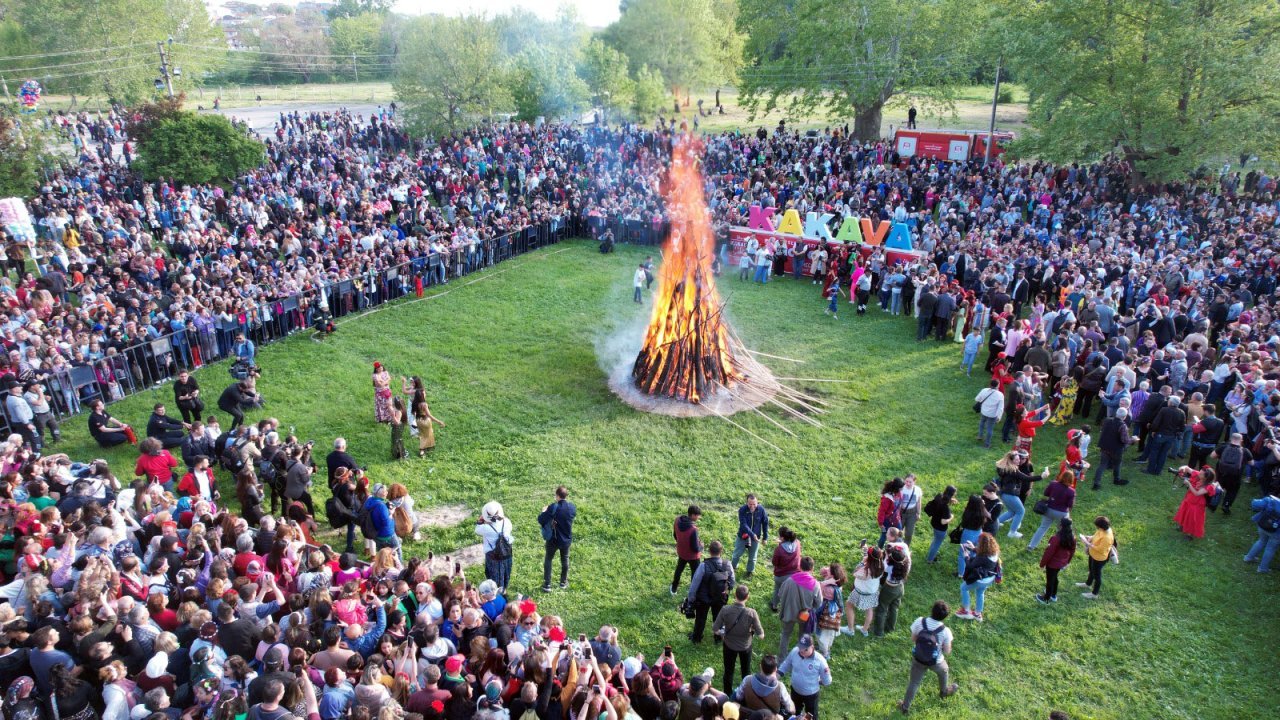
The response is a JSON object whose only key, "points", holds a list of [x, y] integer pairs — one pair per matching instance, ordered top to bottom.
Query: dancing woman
{"points": [[381, 393]]}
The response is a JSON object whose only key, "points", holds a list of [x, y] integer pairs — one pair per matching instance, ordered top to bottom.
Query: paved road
{"points": [[263, 117]]}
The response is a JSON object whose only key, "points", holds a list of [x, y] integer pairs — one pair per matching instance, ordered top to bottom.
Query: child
{"points": [[744, 266], [833, 297], [972, 342]]}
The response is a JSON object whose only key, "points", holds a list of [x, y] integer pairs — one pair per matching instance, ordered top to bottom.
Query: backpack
{"points": [[1232, 460], [1215, 496], [364, 518], [1269, 519], [403, 523], [549, 529], [501, 547], [714, 588], [831, 612], [927, 650]]}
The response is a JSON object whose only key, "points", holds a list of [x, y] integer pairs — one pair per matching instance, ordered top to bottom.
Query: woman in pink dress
{"points": [[381, 393], [1201, 485]]}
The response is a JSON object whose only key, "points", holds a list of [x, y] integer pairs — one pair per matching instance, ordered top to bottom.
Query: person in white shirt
{"points": [[638, 281], [990, 403], [910, 499], [492, 527], [931, 644]]}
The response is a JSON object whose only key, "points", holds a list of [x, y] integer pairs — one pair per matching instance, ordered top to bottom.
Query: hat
{"points": [[1073, 433], [492, 510], [208, 631], [556, 634], [806, 642], [274, 656], [453, 664], [157, 665], [631, 667], [697, 683], [493, 691], [730, 711]]}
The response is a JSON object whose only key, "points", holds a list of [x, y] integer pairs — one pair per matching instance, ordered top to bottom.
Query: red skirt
{"points": [[1190, 515]]}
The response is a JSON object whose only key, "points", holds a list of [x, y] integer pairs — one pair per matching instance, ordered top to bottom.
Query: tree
{"points": [[355, 8], [130, 28], [360, 38], [682, 40], [296, 45], [851, 57], [604, 70], [445, 73], [545, 82], [1169, 85], [650, 93], [145, 118], [194, 148], [21, 158]]}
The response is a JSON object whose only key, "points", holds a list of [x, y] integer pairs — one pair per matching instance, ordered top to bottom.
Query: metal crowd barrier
{"points": [[156, 360]]}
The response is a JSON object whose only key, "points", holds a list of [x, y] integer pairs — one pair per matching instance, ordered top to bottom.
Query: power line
{"points": [[229, 51], [70, 52], [59, 66]]}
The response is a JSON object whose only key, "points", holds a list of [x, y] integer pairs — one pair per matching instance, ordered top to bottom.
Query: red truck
{"points": [[948, 144]]}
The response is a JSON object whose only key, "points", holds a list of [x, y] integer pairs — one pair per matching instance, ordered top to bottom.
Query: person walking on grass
{"points": [[638, 282], [833, 300], [990, 404], [1014, 474], [1060, 498], [1266, 516], [940, 517], [556, 521], [753, 531], [688, 545], [1102, 547], [1057, 555], [786, 560], [981, 570], [709, 589], [866, 591], [798, 598], [738, 627], [931, 644], [809, 674]]}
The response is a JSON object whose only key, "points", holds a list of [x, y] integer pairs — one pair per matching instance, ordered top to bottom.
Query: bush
{"points": [[1005, 97], [194, 149], [21, 158]]}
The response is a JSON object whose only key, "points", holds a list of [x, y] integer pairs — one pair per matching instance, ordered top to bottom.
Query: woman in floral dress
{"points": [[381, 393]]}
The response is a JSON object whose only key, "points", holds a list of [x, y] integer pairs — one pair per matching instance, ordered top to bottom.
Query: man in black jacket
{"points": [[924, 308], [231, 400], [1155, 403], [1165, 428], [168, 431], [1206, 434], [1113, 438], [556, 521], [709, 590]]}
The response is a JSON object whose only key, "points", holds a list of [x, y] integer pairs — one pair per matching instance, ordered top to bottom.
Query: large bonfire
{"points": [[687, 353]]}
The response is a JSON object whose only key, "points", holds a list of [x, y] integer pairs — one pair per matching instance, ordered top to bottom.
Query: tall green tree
{"points": [[354, 8], [122, 34], [362, 38], [683, 40], [297, 45], [849, 58], [604, 69], [448, 73], [544, 81], [1169, 84], [650, 93], [197, 148], [21, 157]]}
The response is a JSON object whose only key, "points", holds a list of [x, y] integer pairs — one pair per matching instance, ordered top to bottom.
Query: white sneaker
{"points": [[1015, 534], [1082, 585], [1088, 596], [846, 631], [864, 632]]}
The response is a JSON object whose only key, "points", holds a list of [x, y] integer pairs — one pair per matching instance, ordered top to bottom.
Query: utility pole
{"points": [[355, 69], [165, 75], [5, 81], [995, 100]]}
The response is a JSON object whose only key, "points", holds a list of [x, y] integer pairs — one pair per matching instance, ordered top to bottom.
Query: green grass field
{"points": [[510, 365]]}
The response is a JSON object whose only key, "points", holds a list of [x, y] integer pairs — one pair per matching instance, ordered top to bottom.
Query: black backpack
{"points": [[1232, 460], [364, 518], [1269, 520], [502, 548], [714, 588], [927, 650]]}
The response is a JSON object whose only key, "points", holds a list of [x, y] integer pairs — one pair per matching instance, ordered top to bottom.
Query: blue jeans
{"points": [[762, 274], [896, 301], [967, 362], [986, 426], [1183, 444], [1159, 445], [1014, 510], [1050, 520], [965, 536], [939, 537], [1265, 546], [750, 548], [979, 588]]}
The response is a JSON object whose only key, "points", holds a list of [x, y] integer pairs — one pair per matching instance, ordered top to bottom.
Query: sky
{"points": [[594, 13]]}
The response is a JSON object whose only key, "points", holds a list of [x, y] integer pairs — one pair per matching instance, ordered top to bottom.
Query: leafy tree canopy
{"points": [[445, 75], [192, 148]]}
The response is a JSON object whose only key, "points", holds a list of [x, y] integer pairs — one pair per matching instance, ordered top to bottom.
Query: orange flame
{"points": [[686, 350]]}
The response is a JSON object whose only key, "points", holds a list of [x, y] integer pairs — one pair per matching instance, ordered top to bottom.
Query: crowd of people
{"points": [[158, 599]]}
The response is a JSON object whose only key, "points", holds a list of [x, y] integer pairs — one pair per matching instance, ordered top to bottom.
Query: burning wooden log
{"points": [[687, 351]]}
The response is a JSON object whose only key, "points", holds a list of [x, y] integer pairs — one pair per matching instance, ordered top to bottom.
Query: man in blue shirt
{"points": [[1266, 517], [753, 530], [43, 657], [338, 695]]}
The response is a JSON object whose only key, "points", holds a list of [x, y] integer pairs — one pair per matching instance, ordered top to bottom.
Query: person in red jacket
{"points": [[200, 481], [889, 514], [688, 545], [1057, 555], [786, 561]]}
